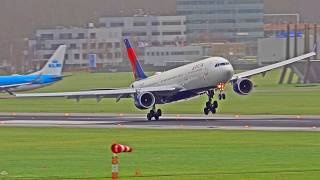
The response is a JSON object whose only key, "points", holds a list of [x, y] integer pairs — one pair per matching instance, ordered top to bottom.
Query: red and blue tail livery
{"points": [[136, 67]]}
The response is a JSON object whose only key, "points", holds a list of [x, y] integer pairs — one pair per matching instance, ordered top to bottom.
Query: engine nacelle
{"points": [[243, 86], [144, 100]]}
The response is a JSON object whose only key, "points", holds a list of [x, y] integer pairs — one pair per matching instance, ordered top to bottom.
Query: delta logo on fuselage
{"points": [[55, 64]]}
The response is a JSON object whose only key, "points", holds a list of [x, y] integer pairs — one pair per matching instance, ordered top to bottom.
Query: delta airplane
{"points": [[49, 74], [207, 76]]}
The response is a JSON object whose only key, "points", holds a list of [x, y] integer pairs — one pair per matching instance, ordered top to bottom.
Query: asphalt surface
{"points": [[299, 123]]}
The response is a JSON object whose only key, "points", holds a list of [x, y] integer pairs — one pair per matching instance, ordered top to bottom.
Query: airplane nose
{"points": [[229, 72]]}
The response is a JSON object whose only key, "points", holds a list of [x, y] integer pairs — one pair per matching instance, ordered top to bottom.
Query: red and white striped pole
{"points": [[117, 148]]}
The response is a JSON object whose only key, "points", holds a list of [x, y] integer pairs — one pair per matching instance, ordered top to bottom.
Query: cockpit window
{"points": [[221, 64]]}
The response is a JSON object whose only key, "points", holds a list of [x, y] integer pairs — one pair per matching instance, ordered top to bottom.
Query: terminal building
{"points": [[230, 20], [149, 30], [159, 41], [106, 43], [172, 56]]}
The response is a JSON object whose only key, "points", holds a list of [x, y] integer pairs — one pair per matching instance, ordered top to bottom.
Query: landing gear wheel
{"points": [[220, 96], [223, 96], [215, 104], [213, 110], [206, 111], [159, 112], [154, 113], [156, 117]]}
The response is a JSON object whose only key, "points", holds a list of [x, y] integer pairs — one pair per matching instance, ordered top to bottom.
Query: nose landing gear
{"points": [[221, 95]]}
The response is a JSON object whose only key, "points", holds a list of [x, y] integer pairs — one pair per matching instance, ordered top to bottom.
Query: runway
{"points": [[296, 123]]}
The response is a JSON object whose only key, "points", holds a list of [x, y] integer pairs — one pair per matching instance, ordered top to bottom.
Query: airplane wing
{"points": [[271, 67], [100, 89], [116, 93]]}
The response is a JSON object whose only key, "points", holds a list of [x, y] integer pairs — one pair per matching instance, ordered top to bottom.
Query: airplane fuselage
{"points": [[194, 78], [36, 81]]}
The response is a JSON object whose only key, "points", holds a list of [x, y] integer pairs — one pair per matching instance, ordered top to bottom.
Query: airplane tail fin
{"points": [[315, 48], [55, 63], [135, 64]]}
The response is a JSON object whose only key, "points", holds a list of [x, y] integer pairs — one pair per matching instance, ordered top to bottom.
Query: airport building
{"points": [[230, 20], [149, 30], [159, 41], [106, 43], [173, 55]]}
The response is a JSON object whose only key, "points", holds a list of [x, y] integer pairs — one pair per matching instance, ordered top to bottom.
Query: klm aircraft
{"points": [[49, 74]]}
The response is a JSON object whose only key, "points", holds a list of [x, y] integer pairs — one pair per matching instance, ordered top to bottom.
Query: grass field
{"points": [[267, 98], [62, 153]]}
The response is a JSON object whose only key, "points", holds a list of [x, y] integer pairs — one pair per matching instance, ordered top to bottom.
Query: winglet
{"points": [[315, 47], [135, 64]]}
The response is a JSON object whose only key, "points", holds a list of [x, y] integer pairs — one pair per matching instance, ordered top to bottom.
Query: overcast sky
{"points": [[19, 18]]}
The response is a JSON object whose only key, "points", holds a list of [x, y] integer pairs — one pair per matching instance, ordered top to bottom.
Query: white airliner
{"points": [[203, 77]]}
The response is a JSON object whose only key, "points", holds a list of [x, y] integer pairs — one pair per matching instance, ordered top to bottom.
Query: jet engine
{"points": [[243, 86], [144, 100]]}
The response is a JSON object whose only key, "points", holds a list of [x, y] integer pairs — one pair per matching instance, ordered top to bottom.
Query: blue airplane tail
{"points": [[55, 63]]}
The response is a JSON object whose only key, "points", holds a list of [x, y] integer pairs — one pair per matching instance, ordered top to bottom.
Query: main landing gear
{"points": [[210, 107], [154, 113]]}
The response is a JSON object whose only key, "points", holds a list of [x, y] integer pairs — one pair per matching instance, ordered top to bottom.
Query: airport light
{"points": [[221, 86]]}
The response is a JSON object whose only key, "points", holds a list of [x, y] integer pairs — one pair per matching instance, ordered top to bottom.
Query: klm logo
{"points": [[55, 64]]}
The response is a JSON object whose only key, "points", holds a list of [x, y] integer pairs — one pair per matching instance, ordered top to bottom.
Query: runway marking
{"points": [[7, 117], [88, 118], [279, 120], [59, 122], [270, 123]]}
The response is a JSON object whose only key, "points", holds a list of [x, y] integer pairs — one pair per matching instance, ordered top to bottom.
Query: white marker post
{"points": [[117, 148], [115, 167]]}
